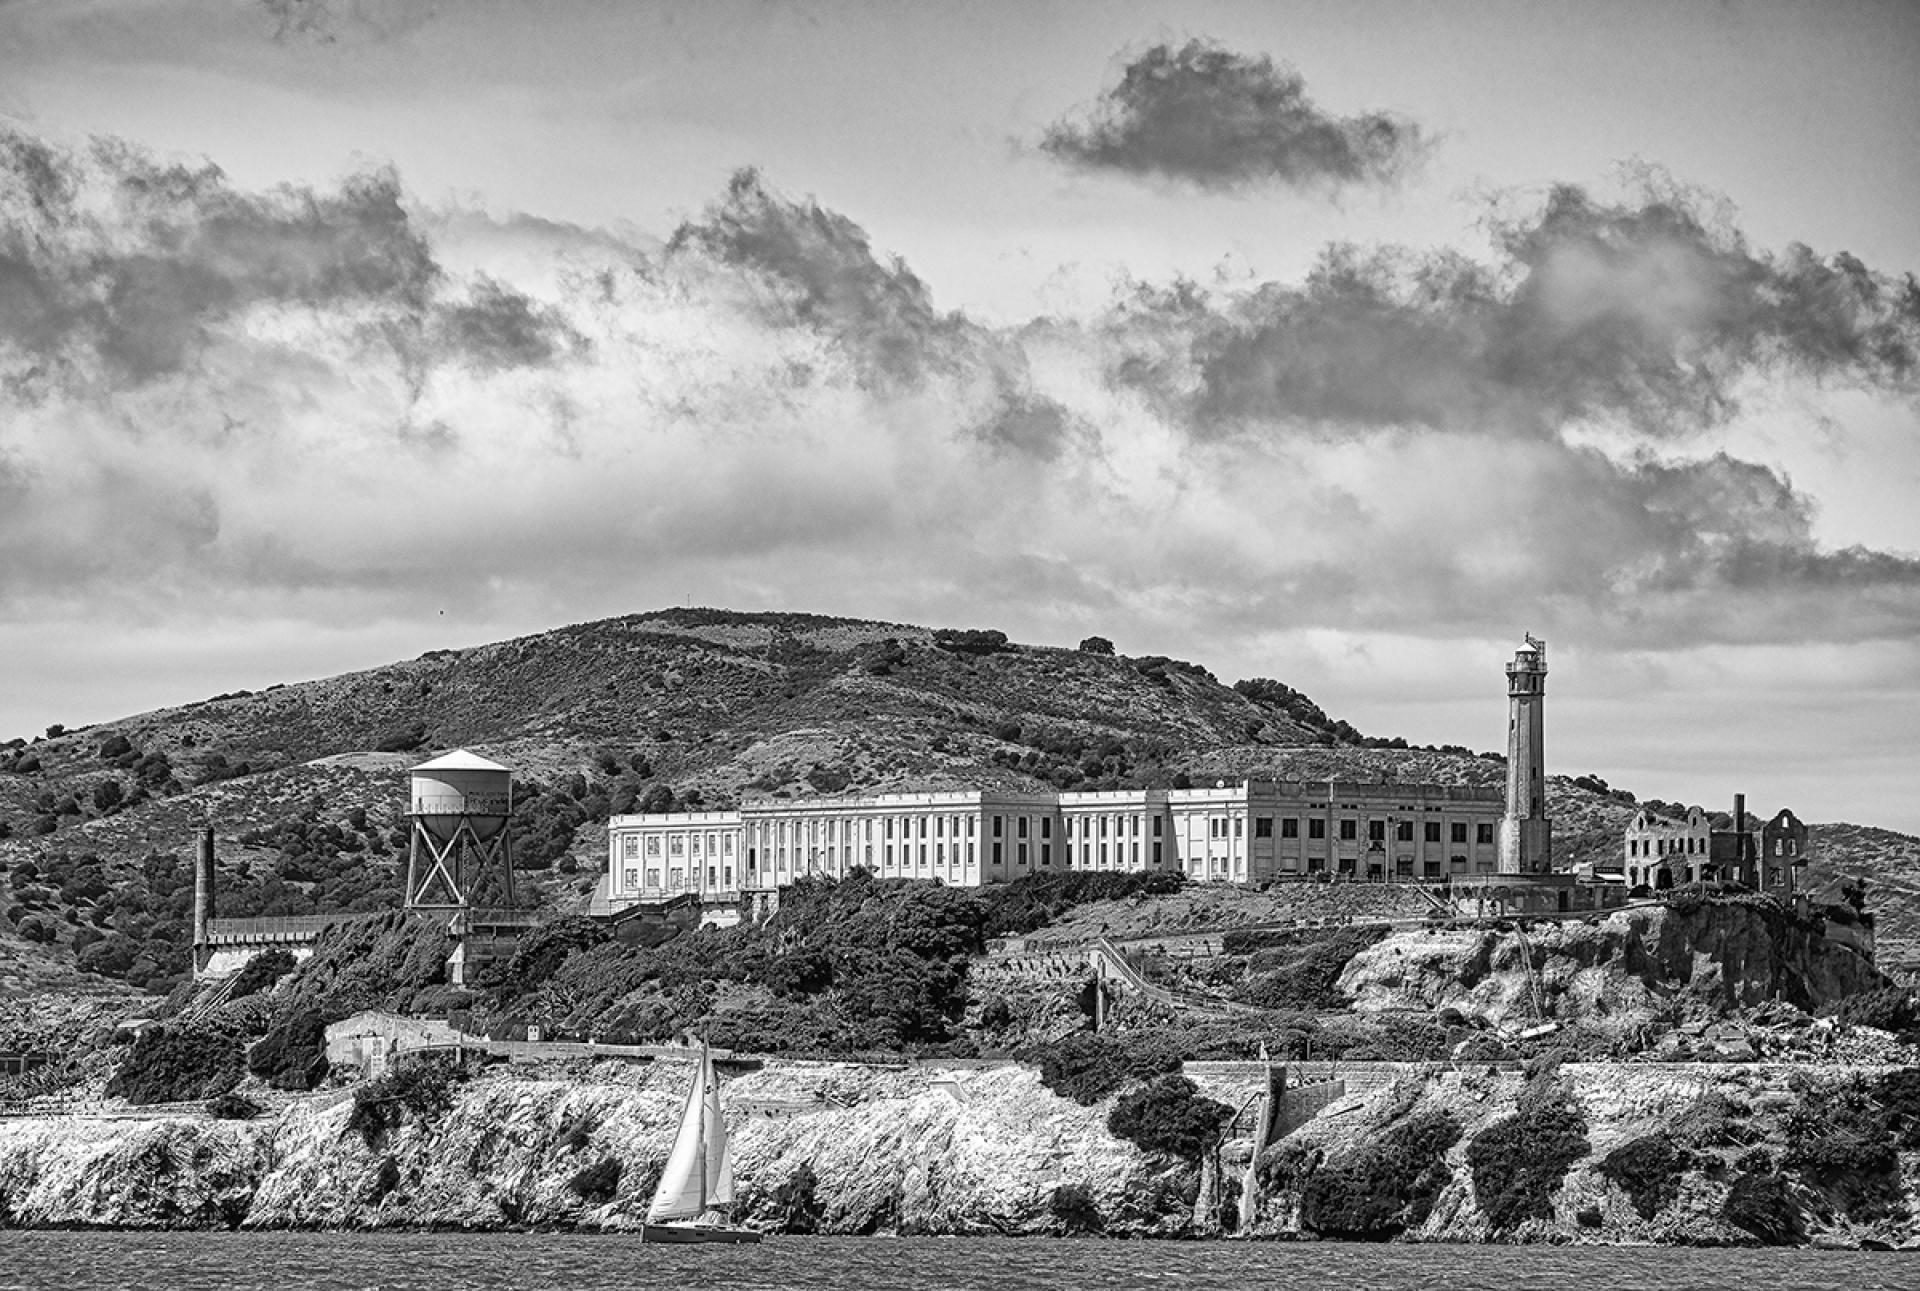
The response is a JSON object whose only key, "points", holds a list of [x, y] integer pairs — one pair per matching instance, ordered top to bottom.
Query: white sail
{"points": [[719, 1160], [682, 1193]]}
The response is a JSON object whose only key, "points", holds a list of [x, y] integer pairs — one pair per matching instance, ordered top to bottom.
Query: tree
{"points": [[1096, 645], [107, 795]]}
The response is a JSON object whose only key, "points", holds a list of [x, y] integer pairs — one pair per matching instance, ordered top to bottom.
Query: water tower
{"points": [[461, 858]]}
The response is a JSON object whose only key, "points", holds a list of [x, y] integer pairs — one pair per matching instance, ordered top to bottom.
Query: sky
{"points": [[1339, 344]]}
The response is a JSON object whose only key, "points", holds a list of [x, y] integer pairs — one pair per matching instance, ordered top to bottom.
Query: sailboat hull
{"points": [[698, 1233]]}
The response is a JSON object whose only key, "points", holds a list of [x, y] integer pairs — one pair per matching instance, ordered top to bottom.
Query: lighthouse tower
{"points": [[1526, 835]]}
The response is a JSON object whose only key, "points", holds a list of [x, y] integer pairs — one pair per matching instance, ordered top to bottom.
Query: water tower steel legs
{"points": [[446, 874]]}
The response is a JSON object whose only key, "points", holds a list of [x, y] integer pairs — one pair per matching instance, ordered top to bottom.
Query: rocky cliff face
{"points": [[1614, 974], [1717, 1131], [819, 1148], [836, 1149]]}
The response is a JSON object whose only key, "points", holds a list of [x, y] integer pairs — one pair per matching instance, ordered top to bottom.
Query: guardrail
{"points": [[276, 928]]}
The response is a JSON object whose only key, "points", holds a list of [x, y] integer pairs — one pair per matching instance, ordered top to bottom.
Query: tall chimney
{"points": [[203, 890]]}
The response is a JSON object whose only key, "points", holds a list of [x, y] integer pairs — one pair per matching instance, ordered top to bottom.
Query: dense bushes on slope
{"points": [[1086, 1067], [1169, 1114], [1519, 1161], [1648, 1170], [1387, 1186]]}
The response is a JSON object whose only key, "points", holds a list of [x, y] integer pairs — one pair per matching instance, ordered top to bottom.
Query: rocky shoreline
{"points": [[841, 1149]]}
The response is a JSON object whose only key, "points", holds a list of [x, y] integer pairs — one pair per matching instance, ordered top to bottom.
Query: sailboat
{"points": [[696, 1189]]}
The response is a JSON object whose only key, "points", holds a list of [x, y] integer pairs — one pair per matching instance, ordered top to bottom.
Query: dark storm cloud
{"points": [[1208, 116], [121, 268], [818, 270], [823, 274], [1639, 314], [497, 327]]}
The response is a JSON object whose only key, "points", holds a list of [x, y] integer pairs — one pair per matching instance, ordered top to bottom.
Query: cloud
{"points": [[1204, 115], [121, 270], [1640, 314], [323, 405]]}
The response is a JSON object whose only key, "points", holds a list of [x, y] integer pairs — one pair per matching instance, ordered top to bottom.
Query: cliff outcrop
{"points": [[1615, 974], [818, 1148], [1679, 1153]]}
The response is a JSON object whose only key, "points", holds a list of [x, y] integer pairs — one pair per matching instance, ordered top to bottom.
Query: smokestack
{"points": [[1740, 813], [203, 889]]}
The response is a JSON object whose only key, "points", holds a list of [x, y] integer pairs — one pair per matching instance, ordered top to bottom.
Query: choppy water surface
{"points": [[363, 1262]]}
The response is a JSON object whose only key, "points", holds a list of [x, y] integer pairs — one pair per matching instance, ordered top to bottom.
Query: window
{"points": [[997, 823], [940, 826], [1046, 826], [1103, 826], [1156, 826], [1239, 826], [1263, 826], [1020, 827], [1290, 827], [1316, 828], [1349, 829], [1376, 831], [1403, 831], [1433, 831], [1459, 831], [1483, 833], [923, 834], [653, 845], [677, 845], [1156, 851], [1046, 853], [996, 855], [1021, 858], [653, 877]]}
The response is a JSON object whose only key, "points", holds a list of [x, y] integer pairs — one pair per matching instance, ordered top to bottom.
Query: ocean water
{"points": [[83, 1261]]}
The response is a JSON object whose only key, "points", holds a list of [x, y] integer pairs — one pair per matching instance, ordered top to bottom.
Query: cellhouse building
{"points": [[1250, 832], [1492, 846]]}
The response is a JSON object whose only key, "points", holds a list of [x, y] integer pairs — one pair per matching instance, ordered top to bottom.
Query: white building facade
{"points": [[1251, 832]]}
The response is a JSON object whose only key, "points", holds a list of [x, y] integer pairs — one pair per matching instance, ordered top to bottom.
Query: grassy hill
{"points": [[304, 784]]}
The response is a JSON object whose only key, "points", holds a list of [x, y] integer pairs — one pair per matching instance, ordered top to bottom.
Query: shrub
{"points": [[970, 640], [1096, 645], [116, 747], [107, 795], [542, 951], [260, 973], [1304, 975], [1893, 1008], [293, 1054], [177, 1064], [1086, 1067], [422, 1089], [1899, 1092], [233, 1107], [1168, 1114], [1840, 1137], [1518, 1162], [1648, 1169], [596, 1184], [1386, 1187], [1759, 1203], [1073, 1205]]}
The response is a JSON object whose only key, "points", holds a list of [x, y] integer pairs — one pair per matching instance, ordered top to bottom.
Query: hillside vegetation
{"points": [[304, 784]]}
